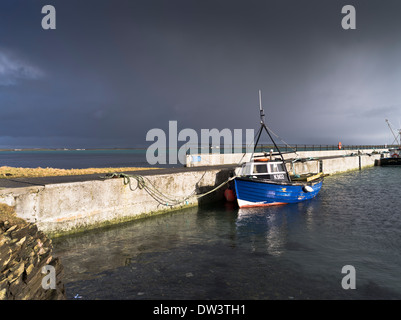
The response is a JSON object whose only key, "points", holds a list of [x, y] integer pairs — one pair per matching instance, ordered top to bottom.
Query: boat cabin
{"points": [[395, 153], [271, 170]]}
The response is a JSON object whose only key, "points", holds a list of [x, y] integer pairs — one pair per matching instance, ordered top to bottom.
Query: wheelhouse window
{"points": [[276, 167], [260, 168], [246, 169]]}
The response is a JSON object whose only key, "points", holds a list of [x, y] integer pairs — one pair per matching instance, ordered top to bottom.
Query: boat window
{"points": [[276, 167], [281, 167], [260, 168], [246, 170]]}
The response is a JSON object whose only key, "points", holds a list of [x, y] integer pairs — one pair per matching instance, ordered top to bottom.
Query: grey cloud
{"points": [[13, 69], [112, 70]]}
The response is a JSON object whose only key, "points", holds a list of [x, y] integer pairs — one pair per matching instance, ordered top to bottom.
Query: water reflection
{"points": [[259, 223], [197, 237], [93, 252], [222, 252]]}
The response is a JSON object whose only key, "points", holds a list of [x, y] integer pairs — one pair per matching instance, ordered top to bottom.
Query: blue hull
{"points": [[253, 193]]}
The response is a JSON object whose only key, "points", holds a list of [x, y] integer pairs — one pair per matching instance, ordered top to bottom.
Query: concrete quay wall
{"points": [[236, 158], [328, 162], [335, 164], [61, 208]]}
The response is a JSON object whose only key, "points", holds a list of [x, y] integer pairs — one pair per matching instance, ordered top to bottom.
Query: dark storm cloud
{"points": [[112, 70]]}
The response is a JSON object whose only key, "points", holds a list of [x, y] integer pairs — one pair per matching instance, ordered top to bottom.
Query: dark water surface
{"points": [[75, 159], [294, 251]]}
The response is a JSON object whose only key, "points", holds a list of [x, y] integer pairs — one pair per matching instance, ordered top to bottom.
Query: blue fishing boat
{"points": [[265, 181], [254, 188]]}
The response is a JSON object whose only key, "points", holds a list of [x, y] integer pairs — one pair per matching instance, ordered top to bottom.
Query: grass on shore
{"points": [[11, 172], [7, 213]]}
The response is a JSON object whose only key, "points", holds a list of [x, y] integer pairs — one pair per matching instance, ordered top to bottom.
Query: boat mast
{"points": [[262, 113], [262, 123], [263, 126], [392, 131]]}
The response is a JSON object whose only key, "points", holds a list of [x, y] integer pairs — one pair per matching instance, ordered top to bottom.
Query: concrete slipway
{"points": [[60, 205]]}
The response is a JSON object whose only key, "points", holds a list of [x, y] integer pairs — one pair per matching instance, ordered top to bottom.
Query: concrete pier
{"points": [[328, 162], [331, 162], [331, 167], [60, 205]]}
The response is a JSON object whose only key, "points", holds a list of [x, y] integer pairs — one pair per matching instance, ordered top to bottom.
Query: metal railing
{"points": [[318, 147], [292, 148]]}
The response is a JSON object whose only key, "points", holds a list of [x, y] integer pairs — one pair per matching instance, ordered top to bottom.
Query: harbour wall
{"points": [[327, 161], [332, 164], [67, 207], [60, 208]]}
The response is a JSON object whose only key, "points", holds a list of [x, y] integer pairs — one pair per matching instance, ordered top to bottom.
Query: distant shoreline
{"points": [[69, 149], [8, 172]]}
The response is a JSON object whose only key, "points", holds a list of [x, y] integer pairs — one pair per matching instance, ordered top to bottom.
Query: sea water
{"points": [[74, 159], [219, 251]]}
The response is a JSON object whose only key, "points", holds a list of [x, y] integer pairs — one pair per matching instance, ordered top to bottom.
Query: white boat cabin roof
{"points": [[262, 168]]}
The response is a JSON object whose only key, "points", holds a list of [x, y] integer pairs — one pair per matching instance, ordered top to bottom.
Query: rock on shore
{"points": [[24, 251]]}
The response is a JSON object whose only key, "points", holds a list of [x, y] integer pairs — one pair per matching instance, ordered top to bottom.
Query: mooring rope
{"points": [[161, 197]]}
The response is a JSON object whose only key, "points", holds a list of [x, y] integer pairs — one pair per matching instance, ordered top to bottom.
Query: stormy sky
{"points": [[113, 70]]}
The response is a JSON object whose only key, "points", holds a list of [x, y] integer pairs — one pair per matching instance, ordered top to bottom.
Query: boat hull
{"points": [[390, 162], [255, 193]]}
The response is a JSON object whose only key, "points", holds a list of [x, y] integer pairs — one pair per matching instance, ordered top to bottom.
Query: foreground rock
{"points": [[24, 252]]}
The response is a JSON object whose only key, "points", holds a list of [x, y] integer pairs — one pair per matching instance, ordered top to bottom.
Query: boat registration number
{"points": [[279, 176]]}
